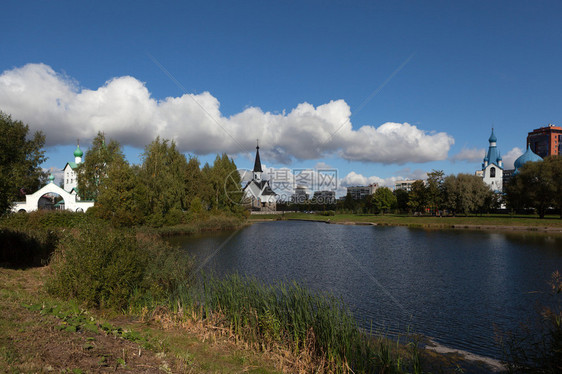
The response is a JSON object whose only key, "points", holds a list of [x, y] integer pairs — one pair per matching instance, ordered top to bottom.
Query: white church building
{"points": [[492, 166], [258, 193], [69, 194]]}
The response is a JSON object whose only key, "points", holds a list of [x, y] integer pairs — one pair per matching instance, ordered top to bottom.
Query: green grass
{"points": [[429, 221]]}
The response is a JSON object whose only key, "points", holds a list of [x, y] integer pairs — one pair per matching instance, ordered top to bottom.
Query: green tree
{"points": [[20, 157], [556, 165], [92, 173], [163, 173], [193, 180], [535, 186], [223, 188], [434, 189], [466, 193], [418, 196], [122, 197], [402, 198], [383, 199], [349, 203]]}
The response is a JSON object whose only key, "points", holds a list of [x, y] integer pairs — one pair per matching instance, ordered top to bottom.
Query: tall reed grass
{"points": [[289, 315]]}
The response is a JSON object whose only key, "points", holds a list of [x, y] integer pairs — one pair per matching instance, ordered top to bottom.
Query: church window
{"points": [[492, 172]]}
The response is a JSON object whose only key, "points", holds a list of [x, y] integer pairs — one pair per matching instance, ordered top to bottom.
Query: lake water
{"points": [[457, 287]]}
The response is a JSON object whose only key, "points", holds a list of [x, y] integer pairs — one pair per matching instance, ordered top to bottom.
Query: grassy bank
{"points": [[503, 221], [146, 289]]}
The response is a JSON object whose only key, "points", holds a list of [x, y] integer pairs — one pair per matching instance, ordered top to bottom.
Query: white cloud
{"points": [[125, 110], [469, 155], [510, 157], [354, 179]]}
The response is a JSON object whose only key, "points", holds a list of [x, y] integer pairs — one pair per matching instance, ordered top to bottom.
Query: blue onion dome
{"points": [[493, 138], [78, 152], [528, 156], [499, 158], [51, 178]]}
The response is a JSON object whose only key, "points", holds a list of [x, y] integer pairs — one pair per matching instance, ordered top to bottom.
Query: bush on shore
{"points": [[43, 219], [105, 267]]}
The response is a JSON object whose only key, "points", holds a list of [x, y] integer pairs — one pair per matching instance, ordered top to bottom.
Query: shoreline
{"points": [[429, 225]]}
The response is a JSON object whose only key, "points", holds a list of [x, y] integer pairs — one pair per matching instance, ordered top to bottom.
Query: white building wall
{"points": [[70, 178], [495, 182], [70, 203]]}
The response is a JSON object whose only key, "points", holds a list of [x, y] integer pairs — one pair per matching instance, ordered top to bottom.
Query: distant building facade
{"points": [[545, 141], [70, 177], [405, 185], [360, 192], [300, 196], [324, 197]]}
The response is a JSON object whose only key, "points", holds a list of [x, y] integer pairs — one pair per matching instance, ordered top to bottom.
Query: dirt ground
{"points": [[32, 341]]}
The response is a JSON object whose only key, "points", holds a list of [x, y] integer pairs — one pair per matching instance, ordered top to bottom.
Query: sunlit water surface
{"points": [[458, 287]]}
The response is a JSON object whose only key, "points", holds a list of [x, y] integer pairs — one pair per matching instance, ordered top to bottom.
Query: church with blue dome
{"points": [[528, 156], [492, 166], [493, 172]]}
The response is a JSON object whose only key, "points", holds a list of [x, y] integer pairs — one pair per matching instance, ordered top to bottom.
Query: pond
{"points": [[457, 287]]}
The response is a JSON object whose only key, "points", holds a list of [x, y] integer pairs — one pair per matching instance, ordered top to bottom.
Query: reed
{"points": [[290, 316]]}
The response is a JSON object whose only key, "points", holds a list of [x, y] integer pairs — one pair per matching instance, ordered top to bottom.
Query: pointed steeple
{"points": [[493, 155], [257, 163]]}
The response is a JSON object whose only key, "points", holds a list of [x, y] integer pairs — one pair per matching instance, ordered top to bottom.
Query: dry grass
{"points": [[31, 341]]}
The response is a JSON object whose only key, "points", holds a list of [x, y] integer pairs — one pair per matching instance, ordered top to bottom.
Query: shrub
{"points": [[41, 219], [23, 248], [103, 267]]}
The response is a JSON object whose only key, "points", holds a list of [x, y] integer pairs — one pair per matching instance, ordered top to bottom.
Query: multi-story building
{"points": [[545, 141], [404, 184], [360, 192], [300, 196], [324, 197]]}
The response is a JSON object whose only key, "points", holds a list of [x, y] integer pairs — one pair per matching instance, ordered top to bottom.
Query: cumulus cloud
{"points": [[125, 110], [469, 155], [510, 157], [354, 179]]}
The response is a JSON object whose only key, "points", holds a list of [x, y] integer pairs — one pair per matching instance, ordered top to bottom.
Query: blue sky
{"points": [[378, 90]]}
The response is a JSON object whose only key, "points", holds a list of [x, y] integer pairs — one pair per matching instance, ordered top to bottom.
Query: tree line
{"points": [[170, 188], [166, 189], [458, 194]]}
